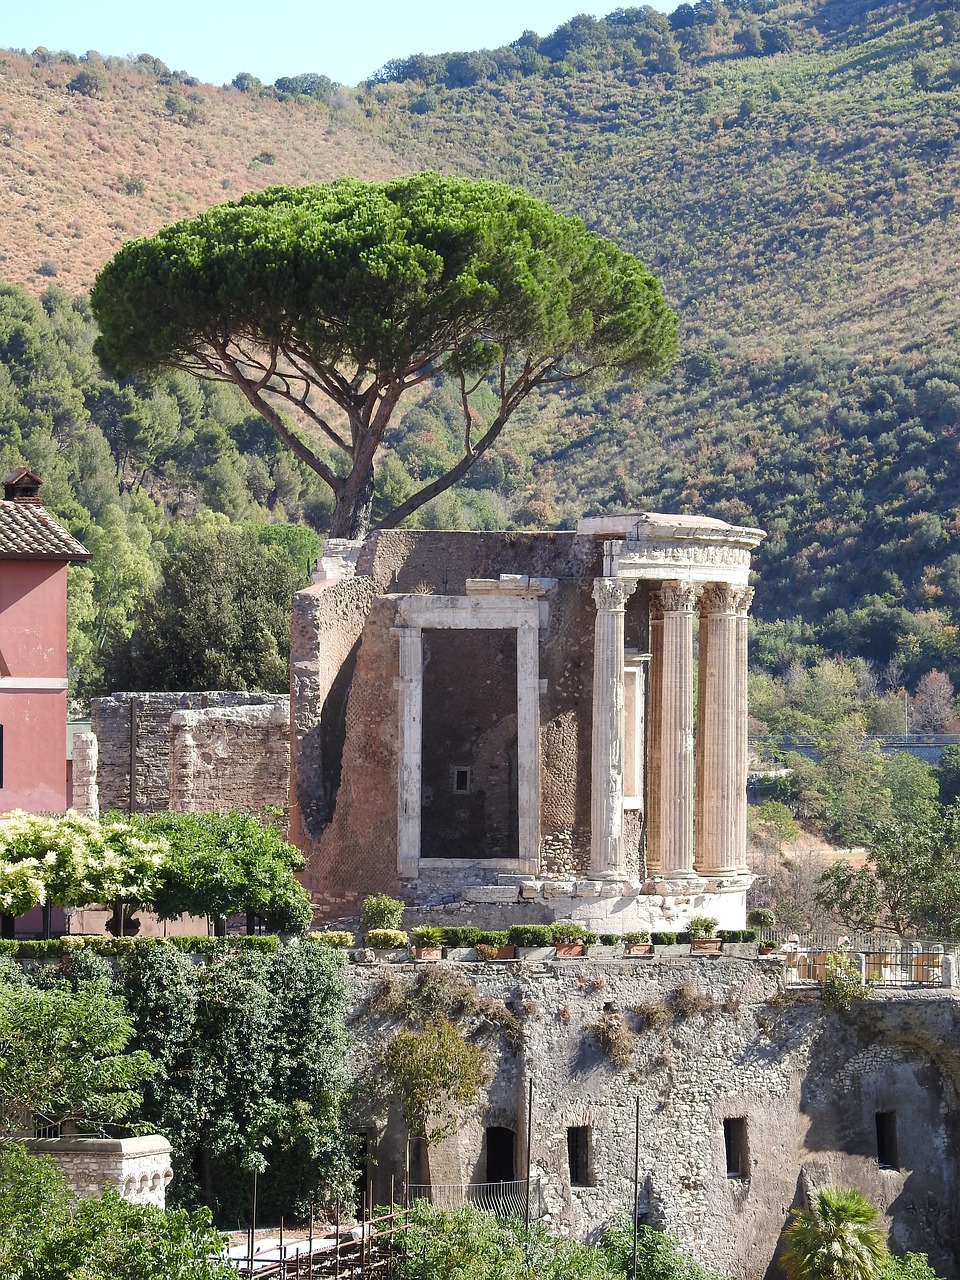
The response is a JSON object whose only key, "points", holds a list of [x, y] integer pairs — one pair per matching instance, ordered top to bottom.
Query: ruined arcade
{"points": [[528, 726]]}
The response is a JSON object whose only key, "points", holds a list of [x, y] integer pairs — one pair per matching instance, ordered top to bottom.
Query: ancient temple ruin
{"points": [[530, 726]]}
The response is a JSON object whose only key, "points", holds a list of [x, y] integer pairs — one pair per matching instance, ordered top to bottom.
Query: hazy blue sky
{"points": [[214, 39]]}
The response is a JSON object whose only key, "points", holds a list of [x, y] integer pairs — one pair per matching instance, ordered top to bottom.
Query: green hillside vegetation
{"points": [[788, 170]]}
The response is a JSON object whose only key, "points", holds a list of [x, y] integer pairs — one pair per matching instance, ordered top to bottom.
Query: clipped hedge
{"points": [[530, 935], [737, 935], [332, 938], [660, 939], [55, 948]]}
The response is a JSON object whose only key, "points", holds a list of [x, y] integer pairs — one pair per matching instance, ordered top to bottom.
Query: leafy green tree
{"points": [[355, 293], [219, 619], [948, 773], [224, 864], [909, 882], [65, 1054], [433, 1071], [251, 1072], [837, 1238], [659, 1256]]}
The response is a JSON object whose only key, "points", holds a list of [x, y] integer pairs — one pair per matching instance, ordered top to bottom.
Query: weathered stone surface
{"points": [[148, 745], [224, 758], [491, 893], [807, 1082], [138, 1168]]}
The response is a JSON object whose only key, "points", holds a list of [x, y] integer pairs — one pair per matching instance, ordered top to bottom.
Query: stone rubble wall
{"points": [[111, 724], [227, 758], [85, 792], [711, 1039], [138, 1168]]}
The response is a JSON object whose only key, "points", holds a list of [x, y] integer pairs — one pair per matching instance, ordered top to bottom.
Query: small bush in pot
{"points": [[380, 911], [762, 918], [701, 927], [427, 935], [530, 935], [386, 939]]}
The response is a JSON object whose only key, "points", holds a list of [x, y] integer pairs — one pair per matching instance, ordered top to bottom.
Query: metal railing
{"points": [[896, 964], [503, 1199]]}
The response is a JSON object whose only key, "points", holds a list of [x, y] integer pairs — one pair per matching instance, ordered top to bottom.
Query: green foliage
{"points": [[90, 82], [472, 279], [226, 596], [223, 864], [909, 882], [380, 911], [761, 918], [701, 927], [570, 931], [427, 935], [530, 935], [636, 935], [332, 938], [660, 938], [387, 939], [842, 983], [615, 1039], [250, 1051], [65, 1054], [434, 1072], [45, 1231], [838, 1237], [472, 1245], [659, 1256], [912, 1266]]}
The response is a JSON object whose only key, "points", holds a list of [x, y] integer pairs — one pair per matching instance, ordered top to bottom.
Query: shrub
{"points": [[91, 82], [380, 911], [762, 918], [702, 927], [570, 931], [427, 935], [530, 935], [636, 935], [737, 935], [460, 936], [493, 937], [332, 938], [387, 939], [610, 939], [661, 939], [843, 982], [687, 1001], [615, 1039], [433, 1071]]}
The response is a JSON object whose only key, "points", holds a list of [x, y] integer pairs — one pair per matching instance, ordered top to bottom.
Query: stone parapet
{"points": [[138, 1168]]}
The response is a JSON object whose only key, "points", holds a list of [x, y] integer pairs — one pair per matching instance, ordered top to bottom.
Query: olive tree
{"points": [[326, 304]]}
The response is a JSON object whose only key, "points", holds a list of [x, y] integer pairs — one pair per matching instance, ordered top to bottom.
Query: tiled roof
{"points": [[28, 532]]}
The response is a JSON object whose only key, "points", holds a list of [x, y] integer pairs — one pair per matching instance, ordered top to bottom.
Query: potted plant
{"points": [[380, 911], [763, 918], [703, 936], [570, 938], [533, 941], [386, 942], [427, 942], [637, 943], [495, 944]]}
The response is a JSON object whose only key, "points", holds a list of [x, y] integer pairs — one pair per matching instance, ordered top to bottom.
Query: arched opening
{"points": [[501, 1144]]}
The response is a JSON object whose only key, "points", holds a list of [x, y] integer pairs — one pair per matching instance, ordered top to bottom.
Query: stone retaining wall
{"points": [[708, 1041]]}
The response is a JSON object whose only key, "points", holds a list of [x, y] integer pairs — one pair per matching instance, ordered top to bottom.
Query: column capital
{"points": [[612, 594], [677, 597], [725, 597]]}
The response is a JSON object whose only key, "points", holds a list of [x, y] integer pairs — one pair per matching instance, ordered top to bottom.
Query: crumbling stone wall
{"points": [[345, 708], [149, 745], [224, 758], [708, 1041], [138, 1168]]}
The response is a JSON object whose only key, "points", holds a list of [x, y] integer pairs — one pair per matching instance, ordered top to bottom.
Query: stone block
{"points": [[491, 893]]}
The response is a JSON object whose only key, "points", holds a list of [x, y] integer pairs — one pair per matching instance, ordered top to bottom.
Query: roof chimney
{"points": [[22, 485]]}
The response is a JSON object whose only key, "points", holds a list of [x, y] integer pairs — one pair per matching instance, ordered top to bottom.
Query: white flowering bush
{"points": [[71, 860]]}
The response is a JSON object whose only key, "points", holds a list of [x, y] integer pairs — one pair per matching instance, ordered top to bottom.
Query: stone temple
{"points": [[522, 727]]}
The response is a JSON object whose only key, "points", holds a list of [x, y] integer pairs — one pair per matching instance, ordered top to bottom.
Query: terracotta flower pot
{"points": [[705, 946], [570, 948], [638, 949], [489, 952], [428, 953]]}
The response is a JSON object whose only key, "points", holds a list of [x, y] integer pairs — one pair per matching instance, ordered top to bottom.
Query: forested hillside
{"points": [[789, 170]]}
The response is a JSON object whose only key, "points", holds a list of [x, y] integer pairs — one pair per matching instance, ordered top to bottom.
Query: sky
{"points": [[216, 39]]}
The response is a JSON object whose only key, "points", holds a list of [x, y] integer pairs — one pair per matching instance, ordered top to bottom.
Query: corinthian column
{"points": [[677, 603], [722, 731], [606, 796]]}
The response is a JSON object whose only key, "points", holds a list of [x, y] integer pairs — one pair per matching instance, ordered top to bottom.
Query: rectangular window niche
{"points": [[510, 604], [735, 1146]]}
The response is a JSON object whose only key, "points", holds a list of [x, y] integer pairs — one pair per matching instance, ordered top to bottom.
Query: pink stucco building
{"points": [[34, 553]]}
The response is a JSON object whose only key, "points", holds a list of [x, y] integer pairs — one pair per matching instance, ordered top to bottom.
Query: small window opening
{"points": [[461, 779], [735, 1145], [500, 1154], [580, 1155], [888, 1157]]}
